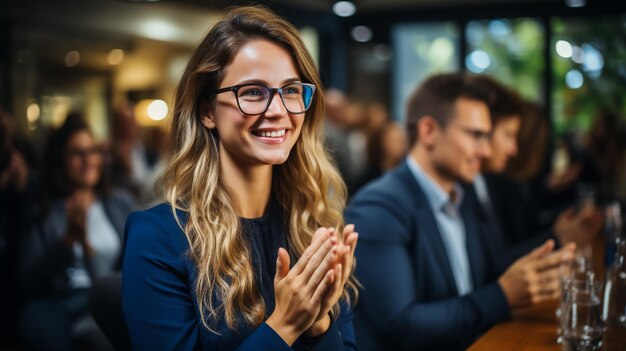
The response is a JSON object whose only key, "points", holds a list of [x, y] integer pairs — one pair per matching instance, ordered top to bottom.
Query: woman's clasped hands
{"points": [[306, 293]]}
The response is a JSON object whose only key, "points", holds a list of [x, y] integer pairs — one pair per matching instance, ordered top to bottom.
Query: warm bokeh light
{"points": [[160, 29], [115, 57], [72, 58], [157, 110], [32, 112], [151, 112], [32, 115]]}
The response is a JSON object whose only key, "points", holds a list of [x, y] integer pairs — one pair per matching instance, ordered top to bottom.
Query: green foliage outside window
{"points": [[510, 50], [589, 70]]}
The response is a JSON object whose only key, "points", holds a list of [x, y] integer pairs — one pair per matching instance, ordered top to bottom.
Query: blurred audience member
{"points": [[376, 116], [356, 120], [336, 129], [345, 138], [386, 148], [604, 154], [593, 162], [133, 164], [16, 202], [508, 205], [79, 238]]}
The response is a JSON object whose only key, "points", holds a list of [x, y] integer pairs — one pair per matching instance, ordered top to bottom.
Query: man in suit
{"points": [[431, 280]]}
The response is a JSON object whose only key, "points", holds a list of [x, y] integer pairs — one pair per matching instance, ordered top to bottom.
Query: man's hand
{"points": [[535, 277]]}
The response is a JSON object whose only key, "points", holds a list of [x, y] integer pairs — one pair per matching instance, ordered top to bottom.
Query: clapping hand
{"points": [[76, 207], [306, 293]]}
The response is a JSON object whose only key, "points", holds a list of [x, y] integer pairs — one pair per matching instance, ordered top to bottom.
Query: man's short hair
{"points": [[437, 96]]}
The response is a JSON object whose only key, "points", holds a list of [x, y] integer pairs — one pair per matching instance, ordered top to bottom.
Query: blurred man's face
{"points": [[463, 143], [503, 144]]}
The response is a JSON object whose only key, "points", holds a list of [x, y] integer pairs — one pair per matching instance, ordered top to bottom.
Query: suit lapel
{"points": [[426, 225]]}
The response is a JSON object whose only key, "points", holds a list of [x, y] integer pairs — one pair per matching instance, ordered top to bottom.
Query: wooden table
{"points": [[534, 329]]}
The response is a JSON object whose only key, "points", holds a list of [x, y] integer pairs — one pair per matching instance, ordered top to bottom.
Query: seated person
{"points": [[249, 189], [508, 205], [78, 239], [431, 278]]}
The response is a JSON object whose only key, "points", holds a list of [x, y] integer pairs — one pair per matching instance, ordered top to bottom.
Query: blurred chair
{"points": [[105, 304]]}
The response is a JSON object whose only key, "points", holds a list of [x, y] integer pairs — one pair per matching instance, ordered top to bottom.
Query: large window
{"points": [[420, 51]]}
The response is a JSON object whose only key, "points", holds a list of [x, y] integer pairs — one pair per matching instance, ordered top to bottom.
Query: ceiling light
{"points": [[575, 3], [344, 8]]}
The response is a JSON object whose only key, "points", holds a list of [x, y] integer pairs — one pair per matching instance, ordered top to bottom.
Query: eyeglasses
{"points": [[254, 99], [477, 135]]}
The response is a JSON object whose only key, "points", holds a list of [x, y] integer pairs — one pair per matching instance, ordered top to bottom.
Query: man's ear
{"points": [[206, 115], [427, 130]]}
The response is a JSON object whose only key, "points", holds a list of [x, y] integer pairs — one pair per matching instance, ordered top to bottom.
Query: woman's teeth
{"points": [[272, 134]]}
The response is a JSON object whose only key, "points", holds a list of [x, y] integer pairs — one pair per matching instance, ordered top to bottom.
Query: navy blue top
{"points": [[159, 301]]}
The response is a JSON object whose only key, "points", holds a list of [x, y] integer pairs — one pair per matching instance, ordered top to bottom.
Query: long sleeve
{"points": [[156, 298], [394, 304], [158, 305], [339, 336]]}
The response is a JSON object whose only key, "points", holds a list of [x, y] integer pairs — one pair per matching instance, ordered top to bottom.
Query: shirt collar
{"points": [[436, 196]]}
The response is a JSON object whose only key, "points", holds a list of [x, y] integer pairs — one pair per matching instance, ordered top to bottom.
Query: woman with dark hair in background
{"points": [[78, 239]]}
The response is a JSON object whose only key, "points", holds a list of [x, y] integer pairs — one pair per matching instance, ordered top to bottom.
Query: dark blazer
{"points": [[409, 298], [160, 305]]}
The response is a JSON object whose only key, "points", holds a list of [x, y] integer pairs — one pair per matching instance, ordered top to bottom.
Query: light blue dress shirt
{"points": [[450, 223]]}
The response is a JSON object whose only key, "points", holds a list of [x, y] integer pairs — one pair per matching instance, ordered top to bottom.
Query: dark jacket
{"points": [[409, 298]]}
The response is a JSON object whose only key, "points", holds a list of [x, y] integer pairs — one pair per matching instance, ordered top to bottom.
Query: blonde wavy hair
{"points": [[307, 186]]}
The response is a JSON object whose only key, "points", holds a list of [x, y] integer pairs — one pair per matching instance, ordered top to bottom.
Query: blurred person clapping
{"points": [[77, 238]]}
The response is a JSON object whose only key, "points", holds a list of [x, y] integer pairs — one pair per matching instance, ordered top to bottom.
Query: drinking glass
{"points": [[576, 274], [581, 320]]}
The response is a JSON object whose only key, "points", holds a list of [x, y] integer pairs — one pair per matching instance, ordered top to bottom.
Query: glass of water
{"points": [[581, 320]]}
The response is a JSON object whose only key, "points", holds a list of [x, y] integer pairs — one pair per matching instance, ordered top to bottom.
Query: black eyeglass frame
{"points": [[273, 91]]}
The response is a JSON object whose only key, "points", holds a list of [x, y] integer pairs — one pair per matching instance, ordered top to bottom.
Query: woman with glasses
{"points": [[77, 240], [249, 251]]}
